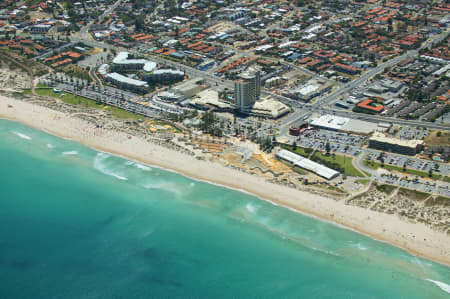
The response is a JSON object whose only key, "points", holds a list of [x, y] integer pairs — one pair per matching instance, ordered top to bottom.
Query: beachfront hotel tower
{"points": [[247, 90]]}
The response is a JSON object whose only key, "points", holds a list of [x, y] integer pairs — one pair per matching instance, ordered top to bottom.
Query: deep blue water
{"points": [[76, 223]]}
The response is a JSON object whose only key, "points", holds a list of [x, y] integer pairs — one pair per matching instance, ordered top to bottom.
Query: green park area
{"points": [[72, 99], [302, 151], [338, 162]]}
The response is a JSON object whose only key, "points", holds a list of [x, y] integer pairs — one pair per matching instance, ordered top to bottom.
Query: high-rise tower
{"points": [[247, 90]]}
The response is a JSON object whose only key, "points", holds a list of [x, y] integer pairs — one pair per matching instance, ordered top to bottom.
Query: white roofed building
{"points": [[121, 62], [125, 82], [343, 124], [307, 164]]}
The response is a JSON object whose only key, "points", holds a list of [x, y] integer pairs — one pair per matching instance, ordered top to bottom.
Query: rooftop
{"points": [[122, 58], [126, 80], [366, 104], [380, 137], [307, 164]]}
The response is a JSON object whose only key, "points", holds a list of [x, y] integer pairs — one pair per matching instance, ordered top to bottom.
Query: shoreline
{"points": [[381, 227]]}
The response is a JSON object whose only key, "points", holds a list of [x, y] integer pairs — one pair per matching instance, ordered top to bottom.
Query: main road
{"points": [[83, 33], [333, 97], [327, 100]]}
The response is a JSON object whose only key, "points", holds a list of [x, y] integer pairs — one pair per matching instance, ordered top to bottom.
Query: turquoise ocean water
{"points": [[77, 223]]}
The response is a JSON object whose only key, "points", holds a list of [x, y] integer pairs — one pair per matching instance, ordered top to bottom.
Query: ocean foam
{"points": [[21, 135], [49, 145], [70, 153], [138, 165], [100, 166], [143, 167], [166, 186], [251, 208], [359, 246], [445, 287]]}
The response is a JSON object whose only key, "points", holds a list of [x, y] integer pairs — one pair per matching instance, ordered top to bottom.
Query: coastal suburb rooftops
{"points": [[366, 104]]}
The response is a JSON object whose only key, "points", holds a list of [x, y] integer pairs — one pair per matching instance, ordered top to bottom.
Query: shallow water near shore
{"points": [[78, 223]]}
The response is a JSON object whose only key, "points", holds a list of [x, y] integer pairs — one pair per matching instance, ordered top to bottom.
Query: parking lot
{"points": [[412, 133], [340, 143], [350, 144], [412, 163], [422, 185]]}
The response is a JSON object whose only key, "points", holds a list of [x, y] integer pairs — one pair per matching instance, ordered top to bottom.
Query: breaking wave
{"points": [[21, 135], [70, 153], [138, 165], [100, 166], [166, 186], [251, 208], [359, 246], [445, 287]]}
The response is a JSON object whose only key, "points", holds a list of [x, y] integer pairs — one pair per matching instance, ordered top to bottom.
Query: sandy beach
{"points": [[417, 238]]}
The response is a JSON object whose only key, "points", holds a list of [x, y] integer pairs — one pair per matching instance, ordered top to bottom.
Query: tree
{"points": [[140, 23], [294, 146], [327, 148], [404, 167], [436, 167], [430, 173]]}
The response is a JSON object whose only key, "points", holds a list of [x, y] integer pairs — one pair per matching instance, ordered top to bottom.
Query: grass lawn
{"points": [[72, 99], [434, 139], [299, 150], [344, 162], [371, 165], [376, 165], [298, 169], [447, 179], [363, 181]]}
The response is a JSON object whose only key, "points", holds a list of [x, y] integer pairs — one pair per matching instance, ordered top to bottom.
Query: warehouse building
{"points": [[310, 90], [343, 124], [307, 164]]}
